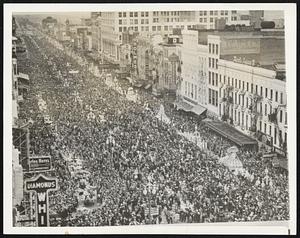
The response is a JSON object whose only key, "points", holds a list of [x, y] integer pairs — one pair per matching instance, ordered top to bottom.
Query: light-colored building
{"points": [[154, 22], [194, 69], [254, 98]]}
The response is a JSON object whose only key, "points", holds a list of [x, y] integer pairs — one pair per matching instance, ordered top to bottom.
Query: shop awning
{"points": [[181, 105], [198, 109], [230, 133]]}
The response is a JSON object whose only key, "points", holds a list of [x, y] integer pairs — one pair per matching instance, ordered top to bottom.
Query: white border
{"points": [[212, 228]]}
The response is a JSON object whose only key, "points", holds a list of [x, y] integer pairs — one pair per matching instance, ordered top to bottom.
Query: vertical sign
{"points": [[41, 185]]}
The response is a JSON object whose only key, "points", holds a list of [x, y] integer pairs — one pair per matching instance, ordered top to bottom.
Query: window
{"points": [[211, 12], [201, 13], [204, 13], [215, 13], [222, 13], [226, 13], [120, 14], [124, 14], [131, 14], [135, 14], [142, 14], [211, 19], [200, 20], [205, 20], [131, 21], [136, 21], [142, 21], [120, 22], [124, 28], [136, 28], [142, 28], [147, 28], [153, 28], [158, 28], [165, 28], [170, 28], [120, 29], [209, 48], [213, 48], [217, 49], [209, 62], [213, 62], [209, 77], [216, 79], [235, 83], [239, 84], [243, 85], [247, 86], [251, 88], [256, 89], [261, 91], [266, 92], [271, 94], [209, 96], [276, 96], [216, 98], [235, 98], [281, 98], [247, 102], [266, 109], [271, 109], [280, 115], [285, 118], [260, 125], [265, 128], [270, 130]]}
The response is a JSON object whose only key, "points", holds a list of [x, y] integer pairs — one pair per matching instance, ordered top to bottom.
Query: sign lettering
{"points": [[41, 185]]}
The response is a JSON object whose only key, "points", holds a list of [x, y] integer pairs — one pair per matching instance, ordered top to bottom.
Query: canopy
{"points": [[197, 109], [230, 133]]}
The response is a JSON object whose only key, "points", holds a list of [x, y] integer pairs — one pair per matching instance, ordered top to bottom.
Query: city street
{"points": [[125, 157]]}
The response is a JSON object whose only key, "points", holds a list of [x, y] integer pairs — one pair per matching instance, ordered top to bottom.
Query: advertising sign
{"points": [[39, 163], [41, 185]]}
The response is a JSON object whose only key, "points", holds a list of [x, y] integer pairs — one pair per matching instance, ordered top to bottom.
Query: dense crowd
{"points": [[135, 160]]}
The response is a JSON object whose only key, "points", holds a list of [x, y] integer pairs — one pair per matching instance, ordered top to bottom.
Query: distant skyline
{"points": [[75, 17]]}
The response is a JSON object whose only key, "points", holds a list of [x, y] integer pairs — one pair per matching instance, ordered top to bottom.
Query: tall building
{"points": [[113, 24]]}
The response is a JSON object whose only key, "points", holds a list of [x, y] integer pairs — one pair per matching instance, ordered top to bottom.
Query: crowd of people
{"points": [[135, 161]]}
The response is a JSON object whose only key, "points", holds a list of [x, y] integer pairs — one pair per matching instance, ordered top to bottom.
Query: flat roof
{"points": [[230, 133]]}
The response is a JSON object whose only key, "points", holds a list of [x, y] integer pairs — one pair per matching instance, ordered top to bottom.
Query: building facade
{"points": [[253, 98]]}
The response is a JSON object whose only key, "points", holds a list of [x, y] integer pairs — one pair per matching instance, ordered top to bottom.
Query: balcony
{"points": [[272, 117]]}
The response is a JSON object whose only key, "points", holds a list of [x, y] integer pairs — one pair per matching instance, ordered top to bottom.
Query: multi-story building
{"points": [[208, 19], [154, 22], [96, 31], [169, 64], [194, 69], [252, 90]]}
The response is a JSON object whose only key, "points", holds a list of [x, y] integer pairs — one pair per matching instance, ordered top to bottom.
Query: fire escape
{"points": [[227, 100], [255, 115]]}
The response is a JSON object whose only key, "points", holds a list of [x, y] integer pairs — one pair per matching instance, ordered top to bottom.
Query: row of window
{"points": [[204, 13], [134, 14], [146, 28], [213, 48], [213, 63], [213, 78], [190, 90], [264, 92], [212, 97], [240, 116]]}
